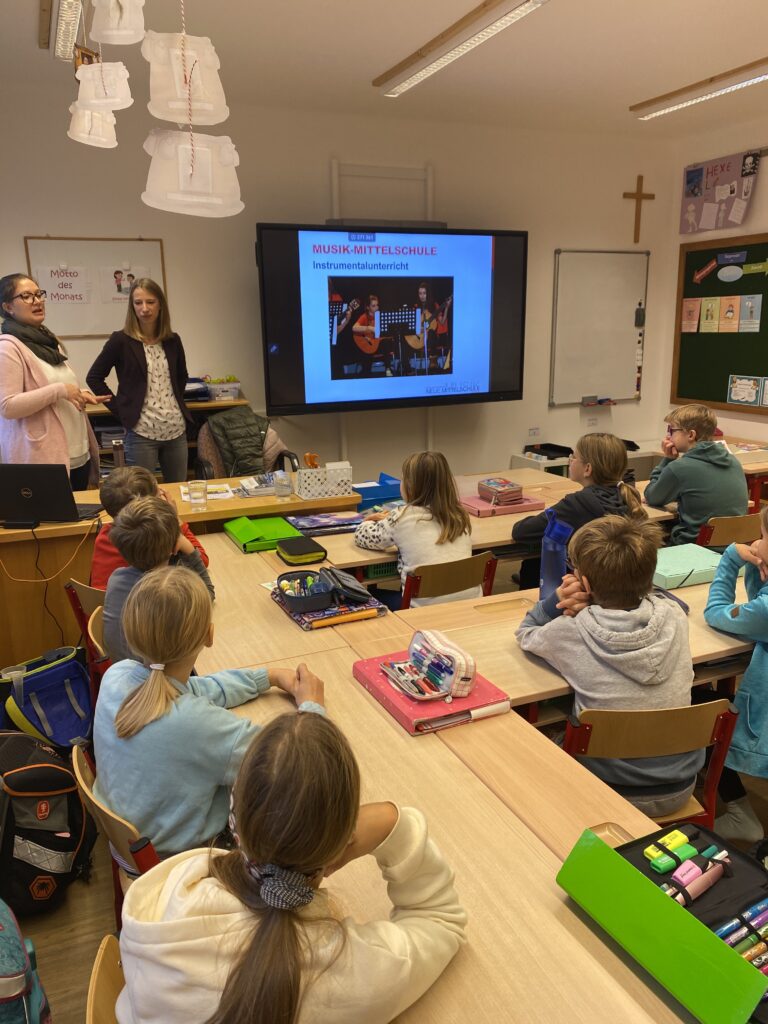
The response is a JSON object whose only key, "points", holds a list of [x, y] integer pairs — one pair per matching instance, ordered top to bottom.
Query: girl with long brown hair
{"points": [[599, 465], [432, 527], [250, 937]]}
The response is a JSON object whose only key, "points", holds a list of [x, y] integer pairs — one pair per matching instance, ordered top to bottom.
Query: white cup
{"points": [[283, 484], [198, 494]]}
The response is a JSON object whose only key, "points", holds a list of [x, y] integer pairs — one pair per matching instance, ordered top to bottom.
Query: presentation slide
{"points": [[394, 315]]}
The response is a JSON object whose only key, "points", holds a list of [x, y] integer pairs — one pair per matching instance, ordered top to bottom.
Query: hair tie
{"points": [[158, 666]]}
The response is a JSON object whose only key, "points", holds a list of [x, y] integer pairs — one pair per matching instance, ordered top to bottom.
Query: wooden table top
{"points": [[505, 877]]}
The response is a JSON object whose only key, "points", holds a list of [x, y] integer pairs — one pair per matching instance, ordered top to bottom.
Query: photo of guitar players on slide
{"points": [[390, 326]]}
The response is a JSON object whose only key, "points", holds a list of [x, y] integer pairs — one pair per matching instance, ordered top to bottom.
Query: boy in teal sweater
{"points": [[700, 474]]}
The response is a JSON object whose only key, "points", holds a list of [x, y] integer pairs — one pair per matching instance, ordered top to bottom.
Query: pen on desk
{"points": [[747, 915], [742, 933], [756, 951]]}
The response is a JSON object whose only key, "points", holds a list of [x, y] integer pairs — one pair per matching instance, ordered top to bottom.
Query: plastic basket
{"points": [[220, 391], [324, 483], [375, 572]]}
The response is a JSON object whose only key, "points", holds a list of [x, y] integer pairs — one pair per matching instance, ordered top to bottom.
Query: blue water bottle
{"points": [[553, 552]]}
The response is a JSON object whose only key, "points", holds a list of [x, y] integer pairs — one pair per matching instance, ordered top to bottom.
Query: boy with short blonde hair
{"points": [[697, 472], [121, 486], [146, 533], [620, 647]]}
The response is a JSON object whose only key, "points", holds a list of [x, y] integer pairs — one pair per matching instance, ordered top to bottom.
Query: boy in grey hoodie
{"points": [[700, 474], [620, 647]]}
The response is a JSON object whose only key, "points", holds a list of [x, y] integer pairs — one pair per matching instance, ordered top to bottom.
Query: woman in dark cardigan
{"points": [[151, 376]]}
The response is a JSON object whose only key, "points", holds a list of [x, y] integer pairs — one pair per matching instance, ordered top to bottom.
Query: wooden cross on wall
{"points": [[638, 195]]}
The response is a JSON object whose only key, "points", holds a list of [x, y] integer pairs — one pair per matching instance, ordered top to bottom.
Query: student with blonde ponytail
{"points": [[599, 465], [432, 527], [166, 746], [251, 937]]}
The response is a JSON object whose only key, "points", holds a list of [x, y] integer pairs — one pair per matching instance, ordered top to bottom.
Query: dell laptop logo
{"points": [[26, 492]]}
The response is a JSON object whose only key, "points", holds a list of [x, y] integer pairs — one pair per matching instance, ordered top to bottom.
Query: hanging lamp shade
{"points": [[118, 22], [103, 86], [170, 97], [92, 127], [200, 182]]}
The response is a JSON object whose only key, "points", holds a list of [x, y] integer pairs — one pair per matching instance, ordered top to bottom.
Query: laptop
{"points": [[39, 494]]}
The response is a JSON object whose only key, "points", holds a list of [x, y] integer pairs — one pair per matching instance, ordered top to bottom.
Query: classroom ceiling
{"points": [[571, 65]]}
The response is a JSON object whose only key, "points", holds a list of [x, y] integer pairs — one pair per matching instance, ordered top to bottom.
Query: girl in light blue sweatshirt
{"points": [[749, 747], [167, 749]]}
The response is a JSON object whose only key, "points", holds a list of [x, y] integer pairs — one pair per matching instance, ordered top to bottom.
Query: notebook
{"points": [[477, 507], [418, 717]]}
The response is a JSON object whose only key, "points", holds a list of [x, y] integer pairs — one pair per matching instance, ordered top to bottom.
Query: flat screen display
{"points": [[379, 318]]}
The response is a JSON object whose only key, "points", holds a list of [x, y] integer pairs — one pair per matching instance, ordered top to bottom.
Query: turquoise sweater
{"points": [[749, 746], [172, 778]]}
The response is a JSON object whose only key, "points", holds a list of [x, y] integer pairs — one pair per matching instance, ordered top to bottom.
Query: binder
{"points": [[418, 717]]}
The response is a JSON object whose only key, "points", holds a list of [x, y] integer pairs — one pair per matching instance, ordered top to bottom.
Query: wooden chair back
{"points": [[723, 530], [450, 577], [84, 601], [96, 630], [668, 731], [119, 832], [106, 984]]}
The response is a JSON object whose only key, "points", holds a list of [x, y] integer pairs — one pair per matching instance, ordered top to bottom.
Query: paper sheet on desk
{"points": [[215, 491]]}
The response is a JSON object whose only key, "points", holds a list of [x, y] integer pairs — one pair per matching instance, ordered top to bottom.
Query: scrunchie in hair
{"points": [[280, 888]]}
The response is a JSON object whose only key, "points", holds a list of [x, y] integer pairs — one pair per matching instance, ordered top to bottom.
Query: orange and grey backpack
{"points": [[46, 835]]}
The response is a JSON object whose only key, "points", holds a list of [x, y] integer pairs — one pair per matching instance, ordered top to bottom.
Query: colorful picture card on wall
{"points": [[729, 313], [710, 315], [749, 316], [689, 322], [744, 390]]}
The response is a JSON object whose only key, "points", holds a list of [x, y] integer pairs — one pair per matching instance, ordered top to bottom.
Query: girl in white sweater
{"points": [[432, 527], [249, 937]]}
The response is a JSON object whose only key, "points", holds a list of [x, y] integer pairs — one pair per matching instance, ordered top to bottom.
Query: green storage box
{"points": [[259, 534], [684, 565], [708, 977]]}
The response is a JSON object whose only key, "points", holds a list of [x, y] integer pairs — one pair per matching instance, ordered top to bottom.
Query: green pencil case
{"points": [[259, 534]]}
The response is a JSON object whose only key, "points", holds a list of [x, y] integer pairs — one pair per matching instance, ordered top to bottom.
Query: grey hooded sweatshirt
{"points": [[624, 661]]}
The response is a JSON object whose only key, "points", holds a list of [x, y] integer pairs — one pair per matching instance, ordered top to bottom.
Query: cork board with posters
{"points": [[88, 279], [721, 336]]}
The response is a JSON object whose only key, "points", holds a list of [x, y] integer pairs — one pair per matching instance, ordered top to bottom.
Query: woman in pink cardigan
{"points": [[42, 416]]}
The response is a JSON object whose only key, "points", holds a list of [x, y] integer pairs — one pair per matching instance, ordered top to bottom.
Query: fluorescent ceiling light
{"points": [[67, 25], [464, 35], [699, 92]]}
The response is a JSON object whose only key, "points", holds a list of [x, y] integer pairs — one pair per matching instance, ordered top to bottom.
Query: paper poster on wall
{"points": [[718, 192], [116, 282], [65, 285], [729, 313], [710, 316], [749, 318], [689, 321], [744, 390]]}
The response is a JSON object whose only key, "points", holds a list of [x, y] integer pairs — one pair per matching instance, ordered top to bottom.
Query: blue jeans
{"points": [[173, 455]]}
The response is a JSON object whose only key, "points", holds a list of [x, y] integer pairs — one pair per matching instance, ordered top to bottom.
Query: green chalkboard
{"points": [[721, 338]]}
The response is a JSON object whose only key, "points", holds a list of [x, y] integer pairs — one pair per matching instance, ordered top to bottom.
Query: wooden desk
{"points": [[65, 552], [249, 628], [554, 795], [505, 877]]}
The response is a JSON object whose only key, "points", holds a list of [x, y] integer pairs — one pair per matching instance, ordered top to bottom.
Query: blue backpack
{"points": [[50, 697], [22, 999]]}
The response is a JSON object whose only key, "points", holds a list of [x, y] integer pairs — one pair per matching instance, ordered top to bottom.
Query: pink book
{"points": [[478, 507], [418, 717]]}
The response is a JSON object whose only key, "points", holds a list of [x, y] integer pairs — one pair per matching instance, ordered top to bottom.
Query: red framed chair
{"points": [[723, 530], [450, 577], [628, 734], [132, 854]]}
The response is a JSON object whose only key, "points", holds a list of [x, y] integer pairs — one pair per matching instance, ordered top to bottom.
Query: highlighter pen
{"points": [[670, 841], [666, 863], [692, 868], [700, 885], [735, 922], [742, 933], [752, 940], [756, 953]]}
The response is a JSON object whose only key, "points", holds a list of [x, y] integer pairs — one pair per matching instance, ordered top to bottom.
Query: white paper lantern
{"points": [[119, 22], [103, 87], [169, 94], [92, 127], [211, 190]]}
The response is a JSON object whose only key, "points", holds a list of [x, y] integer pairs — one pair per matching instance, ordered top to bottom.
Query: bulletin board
{"points": [[88, 279], [598, 321], [721, 336]]}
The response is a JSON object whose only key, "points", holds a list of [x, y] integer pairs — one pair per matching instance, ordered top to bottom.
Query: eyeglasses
{"points": [[30, 297], [675, 430]]}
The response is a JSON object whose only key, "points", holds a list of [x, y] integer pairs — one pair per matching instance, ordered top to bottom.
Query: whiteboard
{"points": [[88, 280], [598, 316]]}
